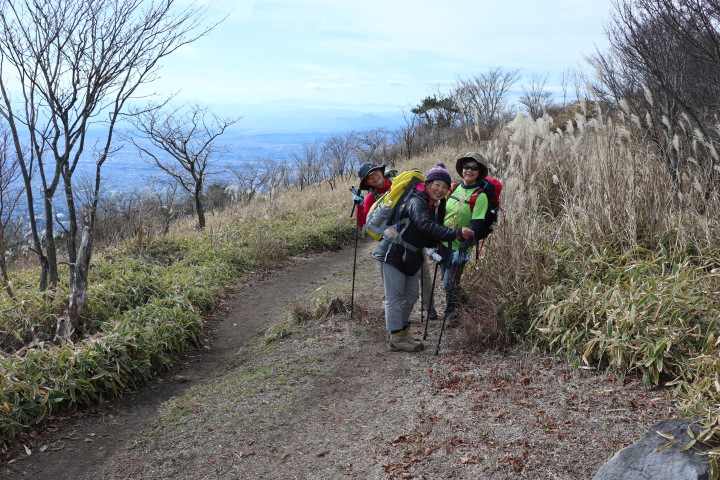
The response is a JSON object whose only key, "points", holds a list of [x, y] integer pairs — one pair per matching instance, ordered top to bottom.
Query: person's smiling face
{"points": [[470, 172], [375, 179], [436, 190]]}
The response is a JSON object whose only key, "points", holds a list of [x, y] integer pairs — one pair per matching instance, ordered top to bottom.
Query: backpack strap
{"points": [[473, 197], [394, 232]]}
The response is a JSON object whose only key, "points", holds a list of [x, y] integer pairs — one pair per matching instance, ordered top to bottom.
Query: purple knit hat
{"points": [[438, 172]]}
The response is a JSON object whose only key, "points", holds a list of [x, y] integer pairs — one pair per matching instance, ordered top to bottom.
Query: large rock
{"points": [[646, 459]]}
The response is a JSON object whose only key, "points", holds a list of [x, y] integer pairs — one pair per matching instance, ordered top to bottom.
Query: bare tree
{"points": [[694, 21], [695, 27], [76, 64], [657, 74], [483, 98], [535, 98], [406, 134], [183, 143], [372, 145], [338, 153], [309, 164], [278, 174], [250, 177], [10, 193], [162, 199]]}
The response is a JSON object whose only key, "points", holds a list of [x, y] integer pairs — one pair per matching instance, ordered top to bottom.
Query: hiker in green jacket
{"points": [[461, 210]]}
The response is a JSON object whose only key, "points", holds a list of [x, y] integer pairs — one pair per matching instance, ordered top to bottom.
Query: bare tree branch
{"points": [[182, 142]]}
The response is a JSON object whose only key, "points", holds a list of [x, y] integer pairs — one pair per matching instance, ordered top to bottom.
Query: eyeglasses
{"points": [[474, 168], [374, 174]]}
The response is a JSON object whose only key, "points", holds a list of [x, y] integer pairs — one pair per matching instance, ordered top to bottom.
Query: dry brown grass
{"points": [[591, 185]]}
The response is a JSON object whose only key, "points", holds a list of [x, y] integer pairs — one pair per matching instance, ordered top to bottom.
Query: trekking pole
{"points": [[461, 251], [352, 290], [422, 293], [430, 304]]}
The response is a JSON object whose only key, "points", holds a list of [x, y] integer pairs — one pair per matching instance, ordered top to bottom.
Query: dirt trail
{"points": [[328, 401], [76, 444]]}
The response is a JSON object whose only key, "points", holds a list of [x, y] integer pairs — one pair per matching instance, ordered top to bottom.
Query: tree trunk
{"points": [[199, 209], [71, 230], [51, 252], [3, 265], [78, 290]]}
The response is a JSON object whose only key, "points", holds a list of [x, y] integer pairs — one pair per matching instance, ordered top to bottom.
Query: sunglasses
{"points": [[474, 168]]}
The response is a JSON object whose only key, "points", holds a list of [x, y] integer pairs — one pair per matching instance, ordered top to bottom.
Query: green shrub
{"points": [[646, 313]]}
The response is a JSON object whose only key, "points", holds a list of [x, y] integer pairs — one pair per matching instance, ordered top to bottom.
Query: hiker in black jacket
{"points": [[401, 258]]}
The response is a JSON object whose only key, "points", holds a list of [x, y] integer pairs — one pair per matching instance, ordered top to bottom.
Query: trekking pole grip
{"points": [[354, 192]]}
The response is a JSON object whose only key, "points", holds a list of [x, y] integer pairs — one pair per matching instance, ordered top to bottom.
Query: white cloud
{"points": [[329, 76]]}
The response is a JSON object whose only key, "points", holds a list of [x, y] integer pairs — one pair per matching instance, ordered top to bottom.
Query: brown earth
{"points": [[326, 400]]}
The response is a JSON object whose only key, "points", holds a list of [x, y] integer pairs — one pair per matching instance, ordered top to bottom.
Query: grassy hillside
{"points": [[147, 300]]}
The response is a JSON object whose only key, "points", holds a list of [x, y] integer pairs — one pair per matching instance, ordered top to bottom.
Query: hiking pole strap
{"points": [[422, 292]]}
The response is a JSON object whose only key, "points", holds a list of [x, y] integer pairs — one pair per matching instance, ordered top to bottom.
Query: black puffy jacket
{"points": [[422, 232]]}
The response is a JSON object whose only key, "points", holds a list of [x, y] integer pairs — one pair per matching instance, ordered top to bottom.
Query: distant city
{"points": [[268, 131]]}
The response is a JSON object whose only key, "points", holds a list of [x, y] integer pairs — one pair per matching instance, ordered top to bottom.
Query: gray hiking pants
{"points": [[425, 281], [401, 293]]}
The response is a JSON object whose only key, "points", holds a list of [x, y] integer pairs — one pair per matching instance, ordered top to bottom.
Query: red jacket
{"points": [[362, 210]]}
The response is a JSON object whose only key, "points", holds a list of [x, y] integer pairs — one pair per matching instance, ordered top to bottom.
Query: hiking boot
{"points": [[432, 314], [409, 335], [403, 342]]}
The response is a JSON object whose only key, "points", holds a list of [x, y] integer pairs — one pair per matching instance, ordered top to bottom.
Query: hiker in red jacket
{"points": [[373, 179]]}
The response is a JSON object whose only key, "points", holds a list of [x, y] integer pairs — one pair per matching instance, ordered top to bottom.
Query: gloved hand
{"points": [[357, 196], [460, 257]]}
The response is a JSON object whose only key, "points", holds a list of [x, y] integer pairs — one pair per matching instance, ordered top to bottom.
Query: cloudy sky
{"points": [[390, 52]]}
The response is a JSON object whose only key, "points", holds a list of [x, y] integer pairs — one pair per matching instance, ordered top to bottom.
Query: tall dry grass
{"points": [[582, 187], [603, 258]]}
